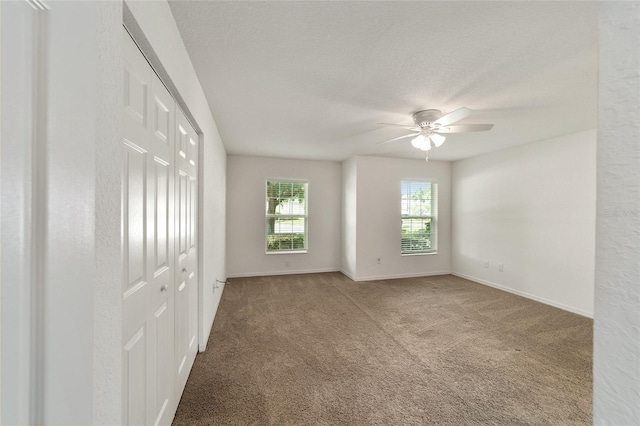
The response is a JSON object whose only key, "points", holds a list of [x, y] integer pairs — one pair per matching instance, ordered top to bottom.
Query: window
{"points": [[418, 216], [286, 219]]}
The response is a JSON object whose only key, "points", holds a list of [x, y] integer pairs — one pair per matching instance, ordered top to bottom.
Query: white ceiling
{"points": [[312, 79]]}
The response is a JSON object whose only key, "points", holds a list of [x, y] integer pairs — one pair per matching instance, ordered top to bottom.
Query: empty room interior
{"points": [[320, 212]]}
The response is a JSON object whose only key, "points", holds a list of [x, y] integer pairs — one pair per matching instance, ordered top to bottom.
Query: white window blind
{"points": [[286, 216], [418, 217]]}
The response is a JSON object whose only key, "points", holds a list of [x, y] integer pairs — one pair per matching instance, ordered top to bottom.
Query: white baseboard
{"points": [[285, 272], [348, 275], [394, 276], [524, 294], [202, 346]]}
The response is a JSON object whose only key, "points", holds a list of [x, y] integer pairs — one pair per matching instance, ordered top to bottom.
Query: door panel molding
{"points": [[160, 225], [148, 229], [186, 242]]}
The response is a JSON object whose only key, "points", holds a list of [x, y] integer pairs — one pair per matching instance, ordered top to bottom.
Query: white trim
{"points": [[38, 5], [24, 212], [39, 215], [289, 216], [433, 217], [305, 251], [287, 272], [348, 275], [395, 276], [527, 295], [202, 340], [202, 345]]}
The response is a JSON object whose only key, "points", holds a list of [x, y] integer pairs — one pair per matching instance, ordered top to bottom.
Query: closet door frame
{"points": [[137, 33], [197, 227]]}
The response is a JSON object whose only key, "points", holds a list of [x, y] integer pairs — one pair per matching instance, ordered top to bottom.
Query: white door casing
{"points": [[148, 243], [186, 290]]}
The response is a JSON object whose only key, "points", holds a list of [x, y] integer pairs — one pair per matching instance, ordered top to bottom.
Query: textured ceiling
{"points": [[312, 79]]}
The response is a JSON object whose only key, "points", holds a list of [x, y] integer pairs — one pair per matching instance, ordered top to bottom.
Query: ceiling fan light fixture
{"points": [[431, 123], [437, 139], [421, 142]]}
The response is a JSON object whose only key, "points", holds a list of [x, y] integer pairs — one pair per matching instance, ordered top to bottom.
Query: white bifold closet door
{"points": [[159, 229], [186, 291]]}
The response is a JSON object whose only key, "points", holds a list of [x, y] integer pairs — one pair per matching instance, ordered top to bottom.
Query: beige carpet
{"points": [[322, 349]]}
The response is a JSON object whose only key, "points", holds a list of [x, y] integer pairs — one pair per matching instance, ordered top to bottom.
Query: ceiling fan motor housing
{"points": [[425, 117]]}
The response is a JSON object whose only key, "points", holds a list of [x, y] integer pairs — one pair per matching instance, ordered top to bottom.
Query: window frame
{"points": [[268, 216], [433, 217]]}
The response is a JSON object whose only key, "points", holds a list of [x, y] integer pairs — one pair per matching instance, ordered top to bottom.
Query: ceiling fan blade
{"points": [[454, 116], [403, 126], [465, 128], [398, 138]]}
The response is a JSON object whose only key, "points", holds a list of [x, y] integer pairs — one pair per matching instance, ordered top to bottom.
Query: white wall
{"points": [[170, 58], [72, 105], [246, 177], [346, 202], [531, 208], [349, 217], [379, 217], [74, 267], [107, 325], [77, 348], [616, 372]]}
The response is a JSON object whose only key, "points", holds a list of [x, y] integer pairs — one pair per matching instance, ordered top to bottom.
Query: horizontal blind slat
{"points": [[417, 205], [286, 215]]}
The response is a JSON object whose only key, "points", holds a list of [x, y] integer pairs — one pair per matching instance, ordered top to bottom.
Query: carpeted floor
{"points": [[322, 349]]}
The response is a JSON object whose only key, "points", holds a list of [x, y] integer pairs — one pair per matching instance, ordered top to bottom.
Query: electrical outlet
{"points": [[378, 261], [486, 263], [286, 264], [501, 267]]}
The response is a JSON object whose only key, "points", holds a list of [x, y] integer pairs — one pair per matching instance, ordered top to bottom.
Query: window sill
{"points": [[286, 252], [423, 253]]}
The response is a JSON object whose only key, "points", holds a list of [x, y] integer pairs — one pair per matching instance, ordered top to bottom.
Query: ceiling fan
{"points": [[430, 124]]}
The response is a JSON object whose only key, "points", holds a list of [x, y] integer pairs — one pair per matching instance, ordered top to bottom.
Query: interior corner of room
{"points": [[139, 184]]}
